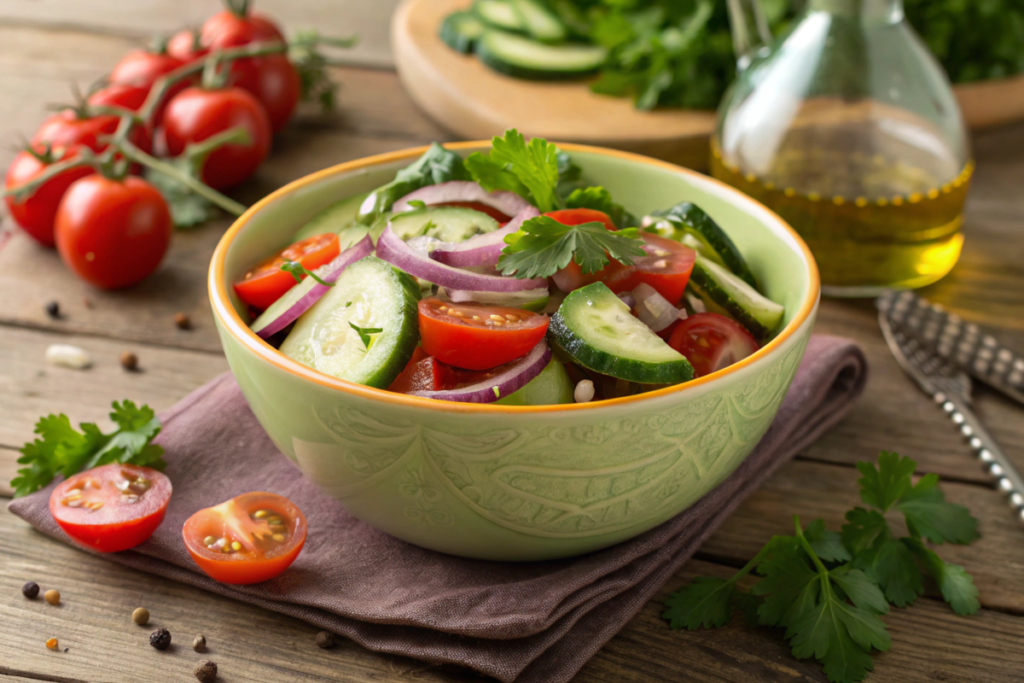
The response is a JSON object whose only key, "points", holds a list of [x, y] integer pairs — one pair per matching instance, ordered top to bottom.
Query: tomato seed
{"points": [[511, 318], [260, 514], [278, 537], [209, 540], [236, 546], [30, 590], [52, 596], [53, 644]]}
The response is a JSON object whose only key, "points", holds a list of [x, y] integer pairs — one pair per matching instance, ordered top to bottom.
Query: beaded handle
{"points": [[992, 458]]}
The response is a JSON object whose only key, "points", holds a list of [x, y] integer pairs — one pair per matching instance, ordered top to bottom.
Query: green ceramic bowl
{"points": [[514, 482]]}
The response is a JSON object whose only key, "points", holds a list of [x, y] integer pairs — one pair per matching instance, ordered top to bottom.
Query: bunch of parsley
{"points": [[63, 449], [828, 589]]}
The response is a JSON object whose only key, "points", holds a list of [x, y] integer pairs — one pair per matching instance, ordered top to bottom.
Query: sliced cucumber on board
{"points": [[498, 14], [539, 21], [461, 30], [523, 57], [335, 218], [445, 223], [693, 227], [720, 289], [369, 294], [596, 329], [551, 387]]}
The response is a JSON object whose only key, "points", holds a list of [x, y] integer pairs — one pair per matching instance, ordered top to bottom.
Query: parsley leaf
{"points": [[436, 165], [531, 170], [187, 208], [543, 246], [297, 270], [365, 334], [65, 450], [885, 485], [929, 515], [864, 528], [827, 545], [889, 564], [956, 584], [706, 602]]}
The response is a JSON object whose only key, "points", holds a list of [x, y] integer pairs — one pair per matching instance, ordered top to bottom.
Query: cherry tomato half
{"points": [[196, 114], [35, 214], [581, 216], [112, 233], [666, 267], [266, 282], [478, 337], [711, 342], [426, 373], [112, 507], [248, 539]]}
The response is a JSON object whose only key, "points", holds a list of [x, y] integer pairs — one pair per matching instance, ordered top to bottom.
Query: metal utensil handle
{"points": [[995, 462]]}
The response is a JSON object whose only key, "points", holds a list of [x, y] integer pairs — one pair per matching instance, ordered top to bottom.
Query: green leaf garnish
{"points": [[528, 169], [417, 203], [543, 246], [297, 271], [366, 334], [63, 449]]}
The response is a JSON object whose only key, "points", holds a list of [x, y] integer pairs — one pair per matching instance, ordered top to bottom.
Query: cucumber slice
{"points": [[499, 14], [539, 21], [461, 30], [522, 57], [335, 218], [446, 223], [698, 230], [722, 290], [369, 294], [596, 329], [551, 387]]}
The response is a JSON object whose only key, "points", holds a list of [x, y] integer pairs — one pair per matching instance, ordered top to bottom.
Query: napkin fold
{"points": [[526, 622]]}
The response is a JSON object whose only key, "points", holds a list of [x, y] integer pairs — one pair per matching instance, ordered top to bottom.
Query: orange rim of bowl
{"points": [[233, 323]]}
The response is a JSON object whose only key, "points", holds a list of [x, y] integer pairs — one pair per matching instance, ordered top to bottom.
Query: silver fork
{"points": [[950, 388]]}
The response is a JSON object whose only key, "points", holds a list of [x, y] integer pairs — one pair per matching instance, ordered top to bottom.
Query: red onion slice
{"points": [[509, 203], [392, 249], [482, 250], [302, 296], [653, 309], [514, 377]]}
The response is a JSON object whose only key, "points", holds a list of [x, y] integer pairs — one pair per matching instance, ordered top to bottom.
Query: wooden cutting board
{"points": [[474, 102]]}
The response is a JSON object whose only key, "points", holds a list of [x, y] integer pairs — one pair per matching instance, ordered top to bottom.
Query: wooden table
{"points": [[46, 44]]}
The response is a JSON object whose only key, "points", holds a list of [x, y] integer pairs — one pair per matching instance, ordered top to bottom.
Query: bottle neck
{"points": [[874, 11]]}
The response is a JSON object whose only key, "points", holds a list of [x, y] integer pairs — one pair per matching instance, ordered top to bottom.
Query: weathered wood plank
{"points": [[339, 18], [31, 387], [815, 490]]}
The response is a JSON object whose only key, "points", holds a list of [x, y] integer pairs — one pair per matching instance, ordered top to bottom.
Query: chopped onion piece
{"points": [[653, 309]]}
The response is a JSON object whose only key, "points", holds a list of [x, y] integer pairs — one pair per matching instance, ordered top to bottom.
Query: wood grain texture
{"points": [[339, 18]]}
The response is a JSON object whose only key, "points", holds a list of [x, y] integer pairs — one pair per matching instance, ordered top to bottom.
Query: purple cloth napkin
{"points": [[528, 622]]}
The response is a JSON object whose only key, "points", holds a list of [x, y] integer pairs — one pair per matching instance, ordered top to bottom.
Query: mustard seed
{"points": [[129, 361], [30, 590], [52, 596], [141, 616], [160, 639], [325, 640], [199, 643], [206, 671]]}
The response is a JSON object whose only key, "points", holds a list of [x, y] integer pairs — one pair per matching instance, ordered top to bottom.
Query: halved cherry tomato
{"points": [[481, 207], [36, 214], [581, 216], [666, 267], [266, 282], [478, 337], [711, 342], [426, 373], [111, 507], [248, 539]]}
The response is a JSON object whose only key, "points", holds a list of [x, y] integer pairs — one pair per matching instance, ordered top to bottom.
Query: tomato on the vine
{"points": [[186, 46], [140, 67], [277, 87], [130, 97], [196, 114], [70, 127], [35, 214], [112, 233], [266, 282], [478, 337], [711, 342], [112, 507], [248, 539]]}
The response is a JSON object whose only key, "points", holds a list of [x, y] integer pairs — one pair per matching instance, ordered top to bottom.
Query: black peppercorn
{"points": [[53, 309], [30, 590], [160, 639], [325, 639], [206, 671]]}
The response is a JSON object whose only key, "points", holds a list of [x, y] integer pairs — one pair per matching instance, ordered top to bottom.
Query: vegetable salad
{"points": [[507, 278]]}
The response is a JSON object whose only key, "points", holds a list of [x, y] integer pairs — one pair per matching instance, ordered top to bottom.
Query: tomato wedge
{"points": [[266, 283], [478, 337], [711, 342], [112, 507], [250, 538]]}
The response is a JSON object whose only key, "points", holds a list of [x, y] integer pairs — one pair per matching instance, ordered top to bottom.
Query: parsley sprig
{"points": [[531, 170], [543, 246], [297, 271], [366, 333], [63, 449], [828, 589]]}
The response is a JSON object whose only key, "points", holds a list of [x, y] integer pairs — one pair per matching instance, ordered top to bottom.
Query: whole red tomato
{"points": [[185, 46], [140, 67], [278, 89], [130, 97], [197, 114], [69, 127], [35, 214], [112, 233]]}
